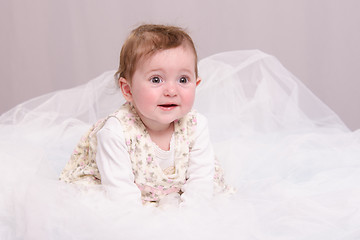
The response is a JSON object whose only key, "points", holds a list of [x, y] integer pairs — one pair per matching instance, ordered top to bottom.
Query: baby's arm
{"points": [[114, 164], [200, 184]]}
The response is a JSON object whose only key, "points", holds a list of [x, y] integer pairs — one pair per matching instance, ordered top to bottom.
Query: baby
{"points": [[155, 149]]}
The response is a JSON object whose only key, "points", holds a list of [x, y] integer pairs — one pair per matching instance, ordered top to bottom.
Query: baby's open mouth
{"points": [[167, 105]]}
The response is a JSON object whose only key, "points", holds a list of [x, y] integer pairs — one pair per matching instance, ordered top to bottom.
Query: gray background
{"points": [[48, 45]]}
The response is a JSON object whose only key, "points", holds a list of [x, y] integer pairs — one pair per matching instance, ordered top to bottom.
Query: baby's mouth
{"points": [[168, 105]]}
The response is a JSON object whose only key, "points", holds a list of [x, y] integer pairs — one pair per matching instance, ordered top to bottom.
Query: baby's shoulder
{"points": [[200, 117], [201, 120], [196, 121], [112, 126]]}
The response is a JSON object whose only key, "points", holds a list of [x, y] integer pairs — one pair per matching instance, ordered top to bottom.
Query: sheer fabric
{"points": [[294, 163]]}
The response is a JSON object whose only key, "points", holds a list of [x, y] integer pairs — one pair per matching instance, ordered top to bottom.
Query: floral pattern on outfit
{"points": [[153, 182]]}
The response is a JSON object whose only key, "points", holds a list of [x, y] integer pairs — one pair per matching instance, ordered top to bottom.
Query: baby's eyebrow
{"points": [[154, 70], [163, 71], [188, 71]]}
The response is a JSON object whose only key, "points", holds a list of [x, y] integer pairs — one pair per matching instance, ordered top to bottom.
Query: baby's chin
{"points": [[181, 116], [172, 120]]}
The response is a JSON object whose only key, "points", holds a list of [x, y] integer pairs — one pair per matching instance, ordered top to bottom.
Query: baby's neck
{"points": [[162, 137]]}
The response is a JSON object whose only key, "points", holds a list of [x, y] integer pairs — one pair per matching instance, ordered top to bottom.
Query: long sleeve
{"points": [[114, 164], [200, 184]]}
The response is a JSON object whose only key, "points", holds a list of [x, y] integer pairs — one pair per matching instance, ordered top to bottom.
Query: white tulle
{"points": [[294, 163]]}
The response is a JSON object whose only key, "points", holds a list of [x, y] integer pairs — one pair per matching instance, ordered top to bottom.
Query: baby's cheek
{"points": [[146, 98], [188, 99]]}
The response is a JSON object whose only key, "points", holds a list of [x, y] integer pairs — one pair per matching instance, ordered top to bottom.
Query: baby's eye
{"points": [[155, 80], [183, 80]]}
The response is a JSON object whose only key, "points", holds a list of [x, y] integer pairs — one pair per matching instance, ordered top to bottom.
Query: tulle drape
{"points": [[294, 163]]}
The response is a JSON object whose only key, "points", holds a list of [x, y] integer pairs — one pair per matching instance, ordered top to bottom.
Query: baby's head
{"points": [[145, 41], [158, 74]]}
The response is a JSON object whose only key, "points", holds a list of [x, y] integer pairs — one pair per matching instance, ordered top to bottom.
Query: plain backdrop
{"points": [[48, 45]]}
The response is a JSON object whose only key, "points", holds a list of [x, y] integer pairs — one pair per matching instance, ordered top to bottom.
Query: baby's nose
{"points": [[170, 89]]}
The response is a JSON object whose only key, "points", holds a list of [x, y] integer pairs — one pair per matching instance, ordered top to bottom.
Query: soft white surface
{"points": [[294, 163]]}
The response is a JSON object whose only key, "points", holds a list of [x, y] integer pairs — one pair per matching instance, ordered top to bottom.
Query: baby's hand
{"points": [[170, 201]]}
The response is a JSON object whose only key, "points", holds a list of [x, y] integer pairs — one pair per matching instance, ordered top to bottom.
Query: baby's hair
{"points": [[146, 40]]}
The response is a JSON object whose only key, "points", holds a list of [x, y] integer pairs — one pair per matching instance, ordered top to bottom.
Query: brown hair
{"points": [[146, 40]]}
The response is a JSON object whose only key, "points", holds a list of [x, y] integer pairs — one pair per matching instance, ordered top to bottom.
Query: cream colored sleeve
{"points": [[114, 164], [200, 184]]}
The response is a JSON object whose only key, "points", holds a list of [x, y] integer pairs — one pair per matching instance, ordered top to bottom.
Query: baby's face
{"points": [[163, 86]]}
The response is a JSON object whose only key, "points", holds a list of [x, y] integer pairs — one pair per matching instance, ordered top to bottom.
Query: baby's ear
{"points": [[198, 81], [125, 89]]}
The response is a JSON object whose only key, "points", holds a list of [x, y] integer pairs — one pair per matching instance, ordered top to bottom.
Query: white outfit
{"points": [[294, 163], [115, 168]]}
